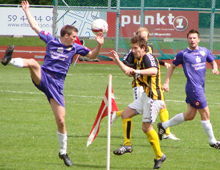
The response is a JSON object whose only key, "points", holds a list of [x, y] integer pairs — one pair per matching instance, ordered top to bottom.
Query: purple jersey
{"points": [[58, 56], [56, 64], [194, 66]]}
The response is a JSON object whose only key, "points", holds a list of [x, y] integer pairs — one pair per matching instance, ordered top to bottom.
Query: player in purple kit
{"points": [[193, 60], [50, 77]]}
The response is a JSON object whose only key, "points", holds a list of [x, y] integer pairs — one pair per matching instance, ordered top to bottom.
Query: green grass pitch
{"points": [[28, 130]]}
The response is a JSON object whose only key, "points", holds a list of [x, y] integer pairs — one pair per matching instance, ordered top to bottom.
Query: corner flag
{"points": [[103, 111]]}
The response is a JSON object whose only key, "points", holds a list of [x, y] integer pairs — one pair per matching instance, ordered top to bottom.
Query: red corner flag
{"points": [[103, 111]]}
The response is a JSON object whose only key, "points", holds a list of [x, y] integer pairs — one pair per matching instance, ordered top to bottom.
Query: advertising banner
{"points": [[14, 22], [171, 24]]}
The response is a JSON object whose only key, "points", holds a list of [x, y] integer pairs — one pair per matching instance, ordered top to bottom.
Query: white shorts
{"points": [[137, 91], [148, 107]]}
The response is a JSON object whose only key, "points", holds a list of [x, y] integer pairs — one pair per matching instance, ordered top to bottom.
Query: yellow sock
{"points": [[118, 113], [164, 116], [127, 129], [155, 144]]}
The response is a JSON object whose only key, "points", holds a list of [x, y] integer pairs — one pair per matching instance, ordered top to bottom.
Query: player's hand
{"points": [[25, 5], [100, 38], [113, 55], [167, 65], [134, 71], [215, 71], [130, 72], [165, 87]]}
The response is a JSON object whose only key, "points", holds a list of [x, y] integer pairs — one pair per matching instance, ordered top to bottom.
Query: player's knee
{"points": [[32, 63], [128, 113], [123, 115], [205, 116], [189, 117], [60, 123], [146, 127]]}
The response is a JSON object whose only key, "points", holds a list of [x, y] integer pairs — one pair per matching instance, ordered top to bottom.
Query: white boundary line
{"points": [[24, 51], [21, 92]]}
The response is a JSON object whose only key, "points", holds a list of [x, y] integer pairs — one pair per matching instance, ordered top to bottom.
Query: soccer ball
{"points": [[99, 25]]}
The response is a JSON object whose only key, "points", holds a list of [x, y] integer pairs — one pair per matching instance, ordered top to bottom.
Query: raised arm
{"points": [[34, 25], [94, 53], [127, 70]]}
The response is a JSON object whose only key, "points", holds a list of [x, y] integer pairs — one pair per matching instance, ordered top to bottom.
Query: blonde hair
{"points": [[142, 29]]}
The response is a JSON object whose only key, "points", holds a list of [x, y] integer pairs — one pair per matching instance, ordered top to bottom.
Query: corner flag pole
{"points": [[109, 120]]}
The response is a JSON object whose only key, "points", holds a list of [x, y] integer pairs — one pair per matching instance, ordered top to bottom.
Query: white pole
{"points": [[142, 13], [117, 26], [212, 26], [109, 120]]}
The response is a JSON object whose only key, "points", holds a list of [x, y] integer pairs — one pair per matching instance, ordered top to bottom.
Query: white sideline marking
{"points": [[23, 51], [8, 91], [21, 92], [178, 101]]}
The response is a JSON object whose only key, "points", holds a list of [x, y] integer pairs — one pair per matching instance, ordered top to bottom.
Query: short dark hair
{"points": [[67, 29], [192, 31], [140, 41]]}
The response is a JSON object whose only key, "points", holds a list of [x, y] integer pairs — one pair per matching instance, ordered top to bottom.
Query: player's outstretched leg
{"points": [[8, 55], [164, 116], [216, 145], [66, 159], [158, 162]]}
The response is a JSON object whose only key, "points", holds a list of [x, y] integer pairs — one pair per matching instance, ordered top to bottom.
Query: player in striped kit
{"points": [[193, 60], [131, 61], [50, 77], [149, 103]]}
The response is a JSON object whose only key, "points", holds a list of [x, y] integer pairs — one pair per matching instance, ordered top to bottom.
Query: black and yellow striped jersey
{"points": [[131, 61], [151, 84]]}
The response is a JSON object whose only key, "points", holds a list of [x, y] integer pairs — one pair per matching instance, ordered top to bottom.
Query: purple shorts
{"points": [[51, 87], [196, 99]]}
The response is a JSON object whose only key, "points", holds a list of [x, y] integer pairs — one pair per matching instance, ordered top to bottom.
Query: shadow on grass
{"points": [[99, 136], [163, 143], [89, 166], [101, 167], [4, 168]]}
